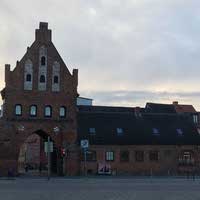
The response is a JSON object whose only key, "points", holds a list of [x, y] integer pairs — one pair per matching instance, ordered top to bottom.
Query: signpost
{"points": [[85, 146], [48, 148]]}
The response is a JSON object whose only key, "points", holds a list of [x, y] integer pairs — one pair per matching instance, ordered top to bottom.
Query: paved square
{"points": [[100, 189]]}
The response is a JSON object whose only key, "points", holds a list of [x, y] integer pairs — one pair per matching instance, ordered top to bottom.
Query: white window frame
{"points": [[195, 119], [110, 156]]}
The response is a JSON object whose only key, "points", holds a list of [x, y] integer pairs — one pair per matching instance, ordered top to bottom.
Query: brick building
{"points": [[40, 98], [140, 141]]}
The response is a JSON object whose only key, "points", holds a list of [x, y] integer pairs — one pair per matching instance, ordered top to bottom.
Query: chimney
{"points": [[43, 34], [175, 102]]}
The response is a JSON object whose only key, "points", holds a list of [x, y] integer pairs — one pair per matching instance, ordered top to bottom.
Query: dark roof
{"points": [[159, 108], [180, 108], [107, 109], [138, 129]]}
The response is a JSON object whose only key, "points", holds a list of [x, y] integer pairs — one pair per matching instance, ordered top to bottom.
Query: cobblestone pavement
{"points": [[100, 189]]}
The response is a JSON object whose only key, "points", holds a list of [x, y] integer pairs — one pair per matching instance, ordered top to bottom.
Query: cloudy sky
{"points": [[128, 52]]}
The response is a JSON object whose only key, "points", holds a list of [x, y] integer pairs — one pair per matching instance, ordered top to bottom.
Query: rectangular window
{"points": [[18, 110], [195, 119], [92, 131], [120, 132], [153, 155], [90, 156], [109, 156], [124, 156], [139, 156]]}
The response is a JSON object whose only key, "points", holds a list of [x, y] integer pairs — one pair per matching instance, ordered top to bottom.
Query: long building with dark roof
{"points": [[155, 139]]}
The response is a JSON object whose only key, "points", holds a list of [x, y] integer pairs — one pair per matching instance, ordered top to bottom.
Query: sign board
{"points": [[84, 144], [50, 147], [104, 168]]}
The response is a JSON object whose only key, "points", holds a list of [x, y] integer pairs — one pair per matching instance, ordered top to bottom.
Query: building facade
{"points": [[40, 101], [155, 140]]}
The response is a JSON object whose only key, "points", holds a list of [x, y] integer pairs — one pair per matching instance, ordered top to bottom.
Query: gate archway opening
{"points": [[32, 159]]}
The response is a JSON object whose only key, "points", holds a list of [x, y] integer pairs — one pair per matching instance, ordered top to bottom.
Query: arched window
{"points": [[43, 60], [28, 78], [42, 79], [55, 79], [18, 109], [33, 110], [47, 111], [62, 111]]}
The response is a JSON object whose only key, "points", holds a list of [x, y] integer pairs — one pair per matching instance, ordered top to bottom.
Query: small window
{"points": [[43, 61], [28, 78], [42, 79], [55, 79], [18, 110], [33, 110], [47, 111], [62, 111], [195, 119], [92, 131], [155, 131], [120, 132], [179, 132], [109, 156], [124, 156], [139, 156], [153, 156], [186, 158]]}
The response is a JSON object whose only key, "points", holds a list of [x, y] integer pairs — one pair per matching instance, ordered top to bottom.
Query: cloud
{"points": [[116, 45], [140, 98]]}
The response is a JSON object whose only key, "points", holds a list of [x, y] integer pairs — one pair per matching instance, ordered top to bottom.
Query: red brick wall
{"points": [[14, 93], [167, 163]]}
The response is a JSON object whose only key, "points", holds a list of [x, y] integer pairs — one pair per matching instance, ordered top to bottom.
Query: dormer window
{"points": [[43, 61], [28, 78], [42, 79], [55, 79], [92, 131], [155, 131], [120, 132], [179, 132]]}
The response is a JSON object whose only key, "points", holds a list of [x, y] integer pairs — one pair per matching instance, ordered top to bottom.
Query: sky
{"points": [[128, 52]]}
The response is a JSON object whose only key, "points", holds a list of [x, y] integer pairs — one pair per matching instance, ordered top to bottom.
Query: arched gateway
{"points": [[35, 102], [32, 158]]}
